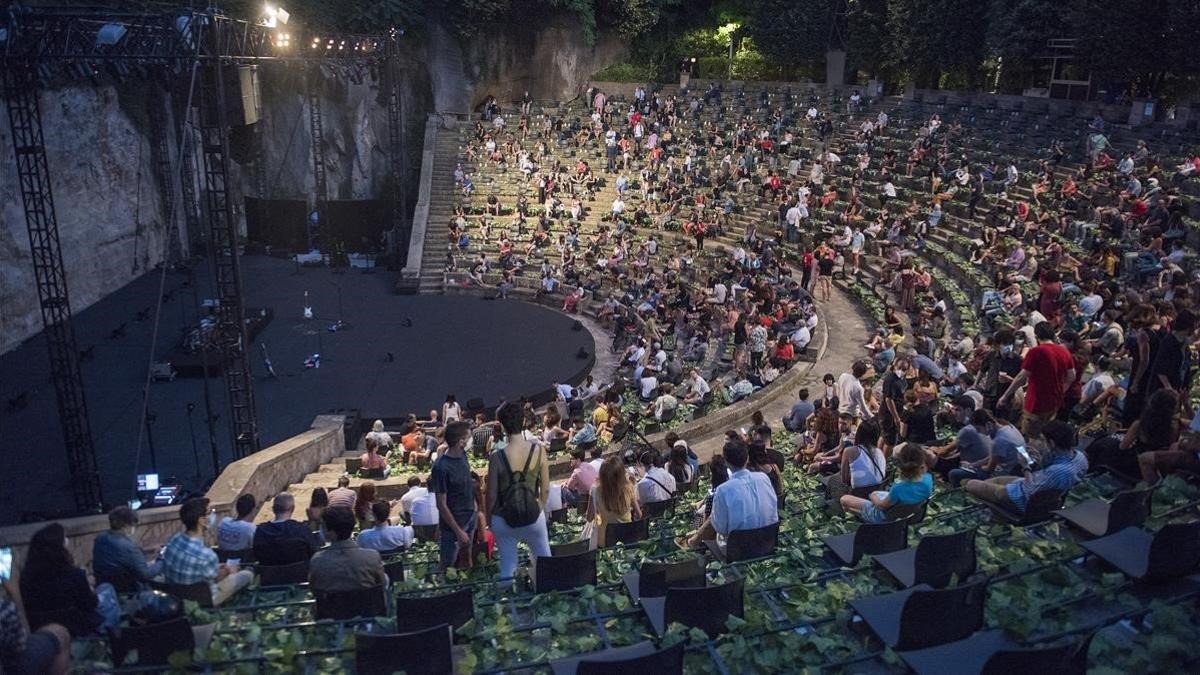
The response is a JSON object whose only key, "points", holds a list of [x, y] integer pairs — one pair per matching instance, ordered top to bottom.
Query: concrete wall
{"points": [[263, 474]]}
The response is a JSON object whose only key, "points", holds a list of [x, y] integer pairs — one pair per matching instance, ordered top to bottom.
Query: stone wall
{"points": [[263, 474]]}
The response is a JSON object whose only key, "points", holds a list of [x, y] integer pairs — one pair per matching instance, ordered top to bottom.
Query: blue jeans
{"points": [[448, 546]]}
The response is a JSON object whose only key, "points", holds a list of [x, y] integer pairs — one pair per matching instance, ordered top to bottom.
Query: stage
{"points": [[473, 348]]}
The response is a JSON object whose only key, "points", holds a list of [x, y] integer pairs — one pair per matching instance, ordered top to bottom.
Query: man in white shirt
{"points": [[618, 206], [719, 293], [800, 338], [697, 387], [563, 391], [850, 392], [657, 484], [744, 502], [419, 504], [237, 534], [385, 536]]}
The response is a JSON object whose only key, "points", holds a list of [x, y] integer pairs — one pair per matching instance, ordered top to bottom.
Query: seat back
{"points": [[619, 431], [557, 445], [353, 465], [372, 474], [684, 488], [1041, 506], [1129, 508], [657, 509], [913, 513], [559, 515], [425, 532], [626, 533], [878, 538], [749, 544], [570, 548], [1174, 551], [941, 557], [394, 569], [562, 573], [278, 575], [654, 578], [199, 592], [340, 605], [705, 608], [419, 611], [934, 617], [154, 643], [426, 652], [1067, 659], [668, 661]]}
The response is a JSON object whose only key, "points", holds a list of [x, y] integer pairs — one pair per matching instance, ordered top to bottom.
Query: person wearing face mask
{"points": [[1000, 366], [895, 383], [970, 444], [1002, 457], [116, 557], [188, 560]]}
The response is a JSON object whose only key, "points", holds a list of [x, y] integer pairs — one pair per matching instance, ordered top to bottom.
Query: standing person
{"points": [[825, 276], [1049, 370], [895, 384], [850, 394], [451, 410], [450, 480], [518, 484]]}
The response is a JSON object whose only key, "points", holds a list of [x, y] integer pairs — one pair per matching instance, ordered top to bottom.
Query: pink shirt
{"points": [[582, 478], [342, 497]]}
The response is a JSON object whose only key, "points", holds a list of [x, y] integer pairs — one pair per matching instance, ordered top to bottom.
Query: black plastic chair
{"points": [[620, 429], [557, 445], [372, 474], [684, 488], [657, 509], [1038, 509], [913, 513], [559, 515], [1097, 517], [626, 533], [869, 539], [746, 544], [570, 548], [1171, 552], [935, 560], [394, 569], [562, 573], [280, 575], [654, 578], [199, 592], [342, 605], [705, 608], [418, 612], [921, 617], [154, 643], [425, 652], [991, 653], [640, 657]]}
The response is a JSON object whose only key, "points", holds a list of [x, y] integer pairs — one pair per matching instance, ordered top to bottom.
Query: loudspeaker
{"points": [[244, 106], [581, 354]]}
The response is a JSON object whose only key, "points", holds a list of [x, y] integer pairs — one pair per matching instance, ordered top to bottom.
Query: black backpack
{"points": [[518, 503]]}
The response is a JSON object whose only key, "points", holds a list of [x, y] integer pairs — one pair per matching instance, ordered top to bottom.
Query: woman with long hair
{"points": [[451, 410], [678, 465], [613, 499], [362, 505], [50, 582]]}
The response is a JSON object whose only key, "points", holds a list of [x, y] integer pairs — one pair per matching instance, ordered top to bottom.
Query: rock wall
{"points": [[106, 199]]}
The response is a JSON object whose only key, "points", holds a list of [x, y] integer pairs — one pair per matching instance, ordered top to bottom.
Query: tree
{"points": [[791, 30], [1018, 33], [869, 36], [934, 37], [1141, 43]]}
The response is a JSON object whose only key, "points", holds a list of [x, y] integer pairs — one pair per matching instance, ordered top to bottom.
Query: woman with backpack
{"points": [[518, 483]]}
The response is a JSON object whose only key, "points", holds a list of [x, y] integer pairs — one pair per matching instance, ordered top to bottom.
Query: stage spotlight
{"points": [[275, 16], [110, 34]]}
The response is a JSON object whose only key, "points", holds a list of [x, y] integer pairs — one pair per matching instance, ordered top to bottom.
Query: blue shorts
{"points": [[873, 514], [448, 546], [40, 649]]}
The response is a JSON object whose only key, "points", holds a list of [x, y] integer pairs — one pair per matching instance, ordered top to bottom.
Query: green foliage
{"points": [[792, 30], [869, 35], [933, 36], [625, 72]]}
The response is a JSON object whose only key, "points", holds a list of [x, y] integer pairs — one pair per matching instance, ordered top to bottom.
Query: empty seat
{"points": [[657, 509], [1097, 517], [425, 532], [627, 533], [869, 539], [746, 544], [570, 548], [1171, 552], [935, 560], [394, 569], [562, 573], [278, 575], [654, 578], [199, 592], [341, 605], [706, 608], [421, 610], [921, 617], [154, 643], [425, 652], [992, 653], [640, 657]]}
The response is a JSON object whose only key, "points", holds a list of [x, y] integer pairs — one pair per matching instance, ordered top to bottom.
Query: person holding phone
{"points": [[1062, 466], [116, 557], [46, 650]]}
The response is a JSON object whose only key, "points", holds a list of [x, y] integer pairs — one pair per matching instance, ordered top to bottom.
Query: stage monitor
{"points": [[147, 482], [166, 495]]}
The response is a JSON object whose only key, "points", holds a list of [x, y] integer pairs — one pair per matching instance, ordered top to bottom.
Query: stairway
{"points": [[441, 207]]}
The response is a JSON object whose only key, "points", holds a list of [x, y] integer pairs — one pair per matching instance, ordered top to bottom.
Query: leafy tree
{"points": [[791, 30], [1018, 32], [869, 36], [932, 37], [1143, 43]]}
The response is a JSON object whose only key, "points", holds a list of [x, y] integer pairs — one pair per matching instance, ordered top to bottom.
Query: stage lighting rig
{"points": [[273, 16]]}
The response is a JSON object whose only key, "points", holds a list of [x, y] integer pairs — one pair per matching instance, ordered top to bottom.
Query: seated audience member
{"points": [[664, 406], [797, 417], [383, 440], [1003, 455], [1183, 455], [371, 459], [679, 464], [863, 464], [1061, 468], [583, 476], [656, 484], [914, 486], [343, 494], [613, 500], [745, 501], [418, 505], [237, 534], [385, 536], [284, 541], [116, 557], [188, 560], [344, 566], [50, 582], [46, 651]]}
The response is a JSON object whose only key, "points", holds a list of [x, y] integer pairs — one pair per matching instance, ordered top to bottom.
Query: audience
{"points": [[1061, 467], [518, 483], [613, 500], [237, 534], [385, 536], [284, 541], [116, 557], [188, 560], [344, 565], [50, 582]]}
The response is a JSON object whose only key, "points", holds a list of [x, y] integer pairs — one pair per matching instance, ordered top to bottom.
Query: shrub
{"points": [[624, 72]]}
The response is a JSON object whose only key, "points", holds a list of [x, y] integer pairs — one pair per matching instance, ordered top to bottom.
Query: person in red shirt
{"points": [[1049, 370]]}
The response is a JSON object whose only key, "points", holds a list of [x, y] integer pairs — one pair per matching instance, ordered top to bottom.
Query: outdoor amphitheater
{"points": [[539, 337]]}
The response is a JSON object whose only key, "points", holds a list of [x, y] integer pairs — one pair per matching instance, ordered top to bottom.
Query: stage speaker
{"points": [[245, 105], [581, 354]]}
